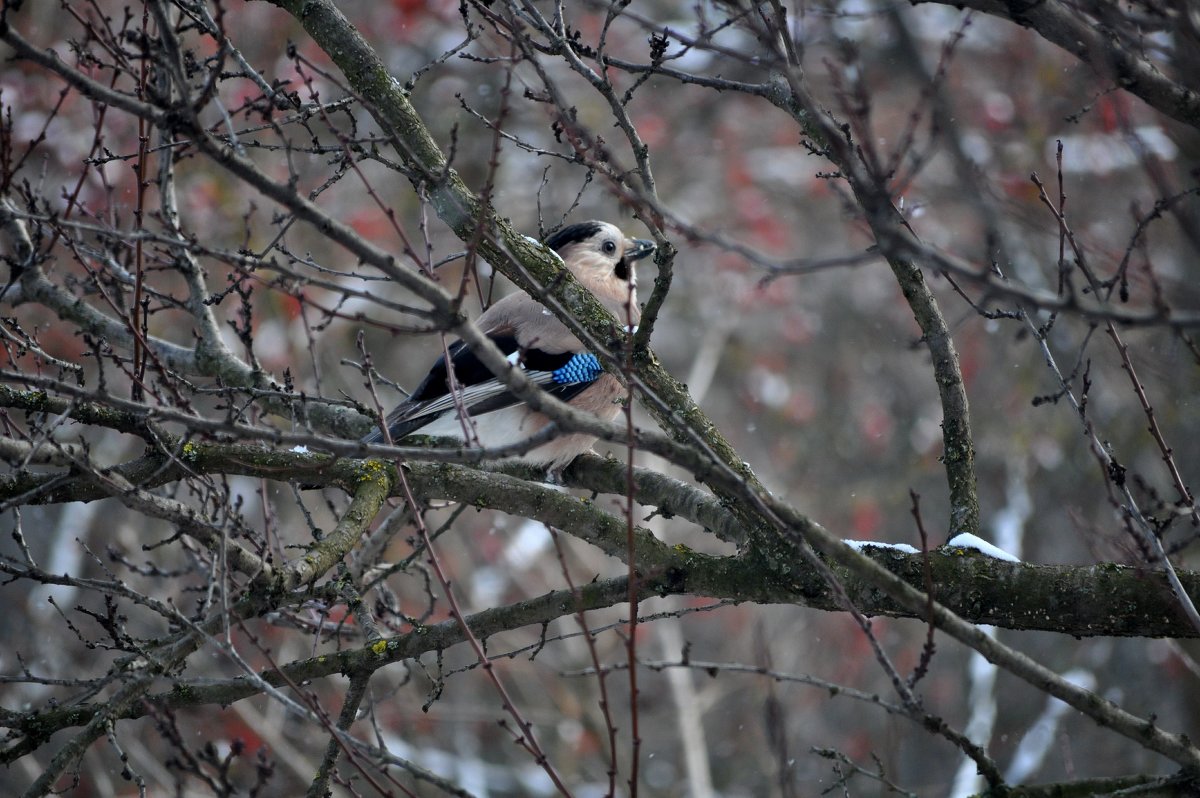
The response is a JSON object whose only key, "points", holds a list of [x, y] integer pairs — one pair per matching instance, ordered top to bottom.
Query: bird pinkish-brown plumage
{"points": [[602, 258]]}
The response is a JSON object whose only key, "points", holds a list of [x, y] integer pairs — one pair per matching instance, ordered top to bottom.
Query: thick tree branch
{"points": [[993, 587], [1122, 601]]}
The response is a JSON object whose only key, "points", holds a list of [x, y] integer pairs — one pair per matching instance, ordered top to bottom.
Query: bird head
{"points": [[601, 257]]}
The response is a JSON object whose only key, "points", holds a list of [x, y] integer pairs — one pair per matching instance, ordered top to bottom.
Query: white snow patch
{"points": [[537, 243], [300, 449], [530, 540], [969, 541], [859, 545], [66, 556], [981, 722], [1038, 742]]}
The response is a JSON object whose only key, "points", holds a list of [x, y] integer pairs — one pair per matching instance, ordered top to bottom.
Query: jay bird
{"points": [[602, 258]]}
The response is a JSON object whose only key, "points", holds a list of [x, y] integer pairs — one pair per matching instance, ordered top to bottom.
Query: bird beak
{"points": [[638, 248]]}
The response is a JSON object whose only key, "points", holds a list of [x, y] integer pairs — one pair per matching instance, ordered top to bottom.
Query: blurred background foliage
{"points": [[818, 379]]}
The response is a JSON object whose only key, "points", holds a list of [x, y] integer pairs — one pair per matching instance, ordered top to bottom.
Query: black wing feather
{"points": [[467, 369], [470, 371]]}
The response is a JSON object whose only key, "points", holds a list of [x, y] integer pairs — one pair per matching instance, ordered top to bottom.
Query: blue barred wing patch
{"points": [[582, 367]]}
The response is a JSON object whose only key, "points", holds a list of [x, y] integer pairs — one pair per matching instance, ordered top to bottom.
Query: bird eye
{"points": [[610, 247]]}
